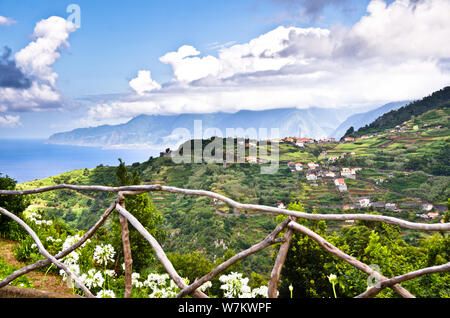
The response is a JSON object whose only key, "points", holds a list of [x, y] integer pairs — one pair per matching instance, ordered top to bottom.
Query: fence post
{"points": [[126, 249], [279, 262]]}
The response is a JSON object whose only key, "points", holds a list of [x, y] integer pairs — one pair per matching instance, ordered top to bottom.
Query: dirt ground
{"points": [[50, 282]]}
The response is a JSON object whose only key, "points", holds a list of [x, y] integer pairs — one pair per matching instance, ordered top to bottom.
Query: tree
{"points": [[349, 132], [15, 204], [142, 208]]}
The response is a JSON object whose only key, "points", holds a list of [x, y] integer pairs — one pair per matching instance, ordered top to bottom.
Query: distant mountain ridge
{"points": [[156, 131]]}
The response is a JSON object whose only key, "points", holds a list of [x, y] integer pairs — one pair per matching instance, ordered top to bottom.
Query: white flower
{"points": [[103, 254], [73, 267], [110, 273], [93, 278], [332, 278], [135, 280], [206, 285], [236, 286], [261, 291], [106, 294]]}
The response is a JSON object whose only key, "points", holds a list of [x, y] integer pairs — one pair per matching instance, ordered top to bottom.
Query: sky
{"points": [[72, 64]]}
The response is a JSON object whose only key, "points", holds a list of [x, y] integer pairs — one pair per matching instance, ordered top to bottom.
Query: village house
{"points": [[349, 139], [331, 140], [300, 144], [167, 153], [333, 158], [291, 165], [312, 165], [298, 166], [348, 173], [330, 174], [311, 177], [340, 184], [364, 202], [281, 205], [390, 206], [347, 207], [427, 207], [432, 215]]}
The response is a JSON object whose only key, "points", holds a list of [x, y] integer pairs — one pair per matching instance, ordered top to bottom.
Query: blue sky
{"points": [[117, 39]]}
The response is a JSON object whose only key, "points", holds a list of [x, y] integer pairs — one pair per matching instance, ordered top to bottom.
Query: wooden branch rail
{"points": [[289, 224]]}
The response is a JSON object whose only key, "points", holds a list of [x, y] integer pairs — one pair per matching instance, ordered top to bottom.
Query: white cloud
{"points": [[6, 21], [395, 52], [36, 61], [187, 68], [144, 83], [9, 121]]}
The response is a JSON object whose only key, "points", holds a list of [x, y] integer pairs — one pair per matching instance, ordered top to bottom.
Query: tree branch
{"points": [[252, 207], [374, 290]]}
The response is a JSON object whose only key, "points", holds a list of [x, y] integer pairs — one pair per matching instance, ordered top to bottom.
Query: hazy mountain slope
{"points": [[361, 119]]}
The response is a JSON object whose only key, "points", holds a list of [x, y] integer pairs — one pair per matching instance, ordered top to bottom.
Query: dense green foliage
{"points": [[14, 204], [380, 245]]}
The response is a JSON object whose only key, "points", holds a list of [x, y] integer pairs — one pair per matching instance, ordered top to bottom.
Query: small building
{"points": [[349, 139], [300, 144], [167, 153], [333, 158], [291, 164], [312, 165], [298, 166], [348, 173], [330, 174], [311, 177], [340, 184], [364, 202], [281, 205], [390, 206], [427, 207], [432, 215]]}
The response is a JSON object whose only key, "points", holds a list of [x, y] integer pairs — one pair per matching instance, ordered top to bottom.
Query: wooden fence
{"points": [[289, 224]]}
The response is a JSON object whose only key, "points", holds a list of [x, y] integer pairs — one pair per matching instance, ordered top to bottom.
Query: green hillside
{"points": [[438, 100], [388, 175]]}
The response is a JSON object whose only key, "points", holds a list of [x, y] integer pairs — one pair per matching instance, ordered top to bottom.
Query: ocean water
{"points": [[26, 160]]}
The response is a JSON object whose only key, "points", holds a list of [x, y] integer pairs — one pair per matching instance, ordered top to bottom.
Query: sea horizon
{"points": [[27, 159]]}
